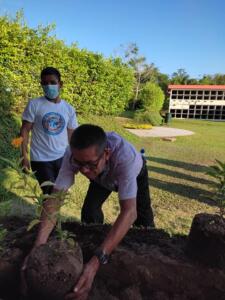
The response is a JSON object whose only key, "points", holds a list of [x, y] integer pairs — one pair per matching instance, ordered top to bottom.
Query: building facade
{"points": [[197, 101]]}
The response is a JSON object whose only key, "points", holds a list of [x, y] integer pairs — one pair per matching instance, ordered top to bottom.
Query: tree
{"points": [[138, 63], [143, 71], [150, 73], [180, 77], [213, 79], [163, 81], [152, 97]]}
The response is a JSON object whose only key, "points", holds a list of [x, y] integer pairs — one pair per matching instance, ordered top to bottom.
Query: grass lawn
{"points": [[179, 186]]}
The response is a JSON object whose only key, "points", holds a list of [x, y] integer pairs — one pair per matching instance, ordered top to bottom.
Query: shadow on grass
{"points": [[178, 164], [180, 175], [183, 190]]}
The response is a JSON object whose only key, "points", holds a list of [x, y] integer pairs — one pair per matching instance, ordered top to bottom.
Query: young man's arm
{"points": [[72, 123], [24, 133], [126, 218]]}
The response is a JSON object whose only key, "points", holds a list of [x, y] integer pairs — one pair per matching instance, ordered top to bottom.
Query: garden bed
{"points": [[148, 264]]}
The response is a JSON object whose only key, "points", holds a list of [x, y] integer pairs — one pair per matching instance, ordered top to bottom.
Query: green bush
{"points": [[92, 83], [152, 97], [152, 117], [137, 126]]}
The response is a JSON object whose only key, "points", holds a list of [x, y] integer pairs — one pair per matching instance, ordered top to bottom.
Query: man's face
{"points": [[50, 80], [90, 161]]}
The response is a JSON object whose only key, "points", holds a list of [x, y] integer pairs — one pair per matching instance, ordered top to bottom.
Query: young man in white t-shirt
{"points": [[51, 121]]}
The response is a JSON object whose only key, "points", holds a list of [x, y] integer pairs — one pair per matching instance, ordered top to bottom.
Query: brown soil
{"points": [[206, 242], [148, 265], [53, 269]]}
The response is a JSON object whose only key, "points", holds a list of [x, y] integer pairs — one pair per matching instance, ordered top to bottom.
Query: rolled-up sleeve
{"points": [[29, 112], [72, 123], [66, 176], [127, 178], [127, 188]]}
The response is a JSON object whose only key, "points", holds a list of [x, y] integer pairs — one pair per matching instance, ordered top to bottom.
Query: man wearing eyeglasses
{"points": [[111, 164]]}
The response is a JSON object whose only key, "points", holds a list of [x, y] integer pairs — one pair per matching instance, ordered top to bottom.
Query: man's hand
{"points": [[26, 165], [84, 284]]}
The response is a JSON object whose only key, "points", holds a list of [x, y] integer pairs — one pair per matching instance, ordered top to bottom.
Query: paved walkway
{"points": [[161, 131]]}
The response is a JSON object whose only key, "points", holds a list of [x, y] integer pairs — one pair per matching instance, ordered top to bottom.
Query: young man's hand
{"points": [[26, 165], [84, 284]]}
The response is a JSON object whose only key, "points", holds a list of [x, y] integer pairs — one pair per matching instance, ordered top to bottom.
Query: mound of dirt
{"points": [[206, 241], [147, 265], [53, 269]]}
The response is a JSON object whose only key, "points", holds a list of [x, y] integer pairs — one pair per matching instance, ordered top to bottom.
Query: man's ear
{"points": [[107, 153]]}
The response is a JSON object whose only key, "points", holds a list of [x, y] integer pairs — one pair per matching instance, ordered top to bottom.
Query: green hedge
{"points": [[92, 83], [152, 97], [152, 117]]}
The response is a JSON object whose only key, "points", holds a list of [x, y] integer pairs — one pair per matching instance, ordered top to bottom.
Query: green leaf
{"points": [[9, 162], [32, 224], [71, 242]]}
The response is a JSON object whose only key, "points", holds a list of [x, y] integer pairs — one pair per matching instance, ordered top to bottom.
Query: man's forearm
{"points": [[24, 146], [48, 221], [121, 226]]}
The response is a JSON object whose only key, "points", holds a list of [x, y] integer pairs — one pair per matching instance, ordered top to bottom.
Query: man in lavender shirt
{"points": [[111, 164]]}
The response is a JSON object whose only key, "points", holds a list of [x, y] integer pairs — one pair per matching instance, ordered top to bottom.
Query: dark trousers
{"points": [[46, 171], [96, 195]]}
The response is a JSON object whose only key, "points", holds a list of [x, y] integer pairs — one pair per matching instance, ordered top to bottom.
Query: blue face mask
{"points": [[51, 91]]}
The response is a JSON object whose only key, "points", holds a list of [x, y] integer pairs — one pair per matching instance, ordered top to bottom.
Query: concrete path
{"points": [[161, 131]]}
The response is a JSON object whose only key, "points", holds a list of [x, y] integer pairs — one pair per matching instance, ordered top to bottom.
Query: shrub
{"points": [[92, 83], [152, 97], [152, 117], [137, 126]]}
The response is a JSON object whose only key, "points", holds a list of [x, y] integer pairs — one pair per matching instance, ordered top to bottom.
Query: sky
{"points": [[172, 34]]}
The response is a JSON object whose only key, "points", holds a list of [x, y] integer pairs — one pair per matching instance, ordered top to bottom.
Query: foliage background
{"points": [[92, 83]]}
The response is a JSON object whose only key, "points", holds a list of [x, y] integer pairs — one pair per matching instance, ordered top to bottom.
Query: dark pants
{"points": [[46, 171], [96, 195]]}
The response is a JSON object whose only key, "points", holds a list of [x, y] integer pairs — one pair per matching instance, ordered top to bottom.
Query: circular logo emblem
{"points": [[53, 123]]}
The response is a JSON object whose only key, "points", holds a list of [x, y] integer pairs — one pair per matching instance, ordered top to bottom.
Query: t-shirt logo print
{"points": [[53, 123]]}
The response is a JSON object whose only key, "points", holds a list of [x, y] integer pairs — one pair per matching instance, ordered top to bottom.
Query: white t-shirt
{"points": [[50, 122], [120, 173]]}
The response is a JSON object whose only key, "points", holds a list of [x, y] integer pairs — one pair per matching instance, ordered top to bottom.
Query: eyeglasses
{"points": [[89, 165]]}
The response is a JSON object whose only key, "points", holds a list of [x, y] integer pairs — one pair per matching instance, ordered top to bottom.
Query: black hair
{"points": [[51, 71], [88, 135]]}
